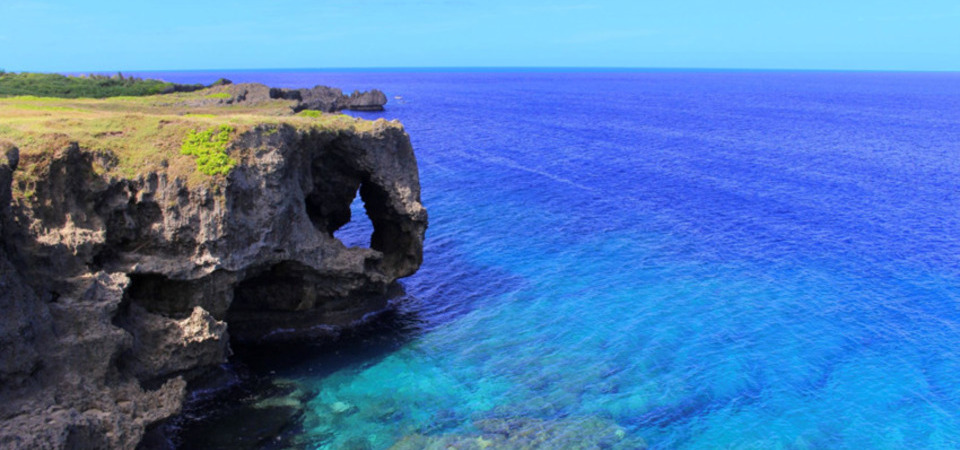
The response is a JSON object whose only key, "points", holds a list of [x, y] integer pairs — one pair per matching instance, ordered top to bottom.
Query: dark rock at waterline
{"points": [[254, 413], [247, 428]]}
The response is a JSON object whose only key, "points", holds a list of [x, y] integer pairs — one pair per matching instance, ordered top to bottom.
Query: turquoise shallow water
{"points": [[671, 259]]}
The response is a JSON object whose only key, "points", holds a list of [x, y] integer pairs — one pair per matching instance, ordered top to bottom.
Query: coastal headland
{"points": [[140, 235]]}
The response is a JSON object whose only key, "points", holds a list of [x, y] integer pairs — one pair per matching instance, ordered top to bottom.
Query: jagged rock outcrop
{"points": [[318, 98], [115, 290], [24, 319]]}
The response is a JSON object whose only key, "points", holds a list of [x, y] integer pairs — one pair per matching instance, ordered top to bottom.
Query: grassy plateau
{"points": [[185, 134]]}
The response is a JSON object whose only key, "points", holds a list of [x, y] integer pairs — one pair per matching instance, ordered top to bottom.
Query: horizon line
{"points": [[507, 69]]}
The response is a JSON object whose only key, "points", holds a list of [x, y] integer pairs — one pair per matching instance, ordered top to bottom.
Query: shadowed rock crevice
{"points": [[335, 185], [292, 286], [158, 294], [290, 301], [177, 326]]}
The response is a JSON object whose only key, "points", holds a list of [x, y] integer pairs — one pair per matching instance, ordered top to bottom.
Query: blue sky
{"points": [[93, 35]]}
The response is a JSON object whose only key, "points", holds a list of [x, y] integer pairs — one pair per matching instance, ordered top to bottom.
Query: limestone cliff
{"points": [[119, 286]]}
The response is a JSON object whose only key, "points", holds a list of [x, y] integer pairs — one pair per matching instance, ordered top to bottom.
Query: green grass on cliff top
{"points": [[89, 86], [146, 134]]}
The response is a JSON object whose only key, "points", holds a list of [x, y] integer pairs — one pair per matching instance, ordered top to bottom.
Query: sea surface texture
{"points": [[664, 258]]}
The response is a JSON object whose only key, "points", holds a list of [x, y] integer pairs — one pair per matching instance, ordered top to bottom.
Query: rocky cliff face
{"points": [[115, 291]]}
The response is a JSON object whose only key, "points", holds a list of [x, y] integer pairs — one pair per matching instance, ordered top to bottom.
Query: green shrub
{"points": [[220, 96], [310, 113], [210, 150]]}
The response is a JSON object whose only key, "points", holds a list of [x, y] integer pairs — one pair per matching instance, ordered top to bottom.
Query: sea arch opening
{"points": [[346, 177], [336, 200], [358, 231]]}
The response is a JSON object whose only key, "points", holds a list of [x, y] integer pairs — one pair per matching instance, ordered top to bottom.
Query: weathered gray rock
{"points": [[318, 98], [367, 101], [115, 291], [23, 315]]}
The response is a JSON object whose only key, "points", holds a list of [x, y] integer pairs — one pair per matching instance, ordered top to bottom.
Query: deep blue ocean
{"points": [[678, 259]]}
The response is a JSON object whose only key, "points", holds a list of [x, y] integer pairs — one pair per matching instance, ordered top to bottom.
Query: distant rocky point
{"points": [[317, 98]]}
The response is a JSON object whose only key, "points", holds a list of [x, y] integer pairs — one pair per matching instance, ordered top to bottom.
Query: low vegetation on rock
{"points": [[89, 86], [219, 96], [310, 113], [210, 150]]}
